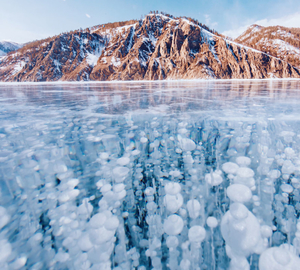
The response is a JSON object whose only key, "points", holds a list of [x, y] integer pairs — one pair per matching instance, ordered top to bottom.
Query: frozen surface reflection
{"points": [[162, 175]]}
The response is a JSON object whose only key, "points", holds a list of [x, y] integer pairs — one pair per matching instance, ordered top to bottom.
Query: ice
{"points": [[141, 175]]}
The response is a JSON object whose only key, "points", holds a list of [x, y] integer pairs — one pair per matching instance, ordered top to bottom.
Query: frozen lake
{"points": [[150, 175]]}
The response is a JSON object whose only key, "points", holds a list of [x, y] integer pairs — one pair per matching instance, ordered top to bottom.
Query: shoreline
{"points": [[147, 81]]}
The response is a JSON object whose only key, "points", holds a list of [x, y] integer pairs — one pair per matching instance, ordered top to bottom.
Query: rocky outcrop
{"points": [[278, 41], [155, 48]]}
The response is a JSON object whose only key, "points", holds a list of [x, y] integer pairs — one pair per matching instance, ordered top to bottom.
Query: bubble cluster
{"points": [[148, 190]]}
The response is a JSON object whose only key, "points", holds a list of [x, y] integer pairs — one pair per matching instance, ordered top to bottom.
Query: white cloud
{"points": [[88, 15], [292, 20], [208, 21], [234, 33]]}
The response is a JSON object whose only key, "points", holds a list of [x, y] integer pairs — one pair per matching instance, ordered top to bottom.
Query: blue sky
{"points": [[27, 20]]}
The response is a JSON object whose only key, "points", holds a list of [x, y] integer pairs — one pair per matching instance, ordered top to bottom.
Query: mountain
{"points": [[278, 41], [7, 46], [156, 47]]}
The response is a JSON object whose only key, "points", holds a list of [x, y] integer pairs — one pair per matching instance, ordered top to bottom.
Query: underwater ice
{"points": [[149, 190]]}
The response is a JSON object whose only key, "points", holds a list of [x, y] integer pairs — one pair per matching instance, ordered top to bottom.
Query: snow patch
{"points": [[125, 27], [153, 39], [285, 46], [92, 58], [115, 61], [57, 64], [18, 67]]}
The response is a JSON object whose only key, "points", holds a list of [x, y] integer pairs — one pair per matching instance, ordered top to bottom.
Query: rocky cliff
{"points": [[278, 41], [157, 47]]}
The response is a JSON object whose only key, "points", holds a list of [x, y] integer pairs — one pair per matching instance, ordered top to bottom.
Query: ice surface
{"points": [[162, 175]]}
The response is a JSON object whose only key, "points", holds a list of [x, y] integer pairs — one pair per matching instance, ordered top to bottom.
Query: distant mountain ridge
{"points": [[278, 41], [8, 46], [154, 48]]}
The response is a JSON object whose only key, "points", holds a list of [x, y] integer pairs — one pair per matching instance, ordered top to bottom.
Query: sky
{"points": [[27, 20]]}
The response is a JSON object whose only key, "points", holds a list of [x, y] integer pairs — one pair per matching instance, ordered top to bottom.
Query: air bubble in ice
{"points": [[144, 140], [186, 144], [123, 161], [243, 161], [230, 167], [245, 172], [120, 173], [213, 178], [172, 188], [286, 188], [239, 193], [173, 202], [193, 207], [4, 217], [98, 220], [212, 222], [111, 223], [173, 225], [196, 234], [172, 241], [5, 250], [279, 258]]}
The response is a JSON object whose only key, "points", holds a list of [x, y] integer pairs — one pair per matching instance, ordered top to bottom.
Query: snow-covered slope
{"points": [[278, 41], [8, 46], [154, 48]]}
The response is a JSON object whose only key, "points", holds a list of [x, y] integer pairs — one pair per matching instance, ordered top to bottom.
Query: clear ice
{"points": [[166, 175]]}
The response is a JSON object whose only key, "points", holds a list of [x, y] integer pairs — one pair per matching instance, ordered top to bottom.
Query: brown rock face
{"points": [[278, 41], [155, 48]]}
